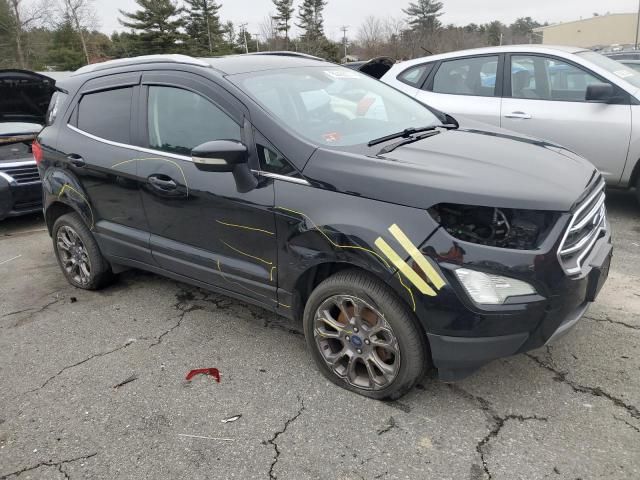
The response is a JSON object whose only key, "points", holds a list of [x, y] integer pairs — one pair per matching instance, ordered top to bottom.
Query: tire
{"points": [[638, 189], [70, 231], [404, 356]]}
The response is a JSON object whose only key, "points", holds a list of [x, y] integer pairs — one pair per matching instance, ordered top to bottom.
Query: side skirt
{"points": [[118, 262]]}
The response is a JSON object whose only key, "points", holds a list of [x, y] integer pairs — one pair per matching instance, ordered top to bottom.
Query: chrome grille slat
{"points": [[23, 173], [588, 222]]}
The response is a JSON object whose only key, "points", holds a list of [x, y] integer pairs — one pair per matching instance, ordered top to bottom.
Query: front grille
{"points": [[22, 173], [587, 224]]}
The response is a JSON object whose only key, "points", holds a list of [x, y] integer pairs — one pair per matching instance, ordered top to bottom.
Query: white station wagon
{"points": [[574, 97]]}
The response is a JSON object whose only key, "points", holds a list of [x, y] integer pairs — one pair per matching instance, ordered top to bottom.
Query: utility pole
{"points": [[637, 24], [243, 27], [344, 40], [257, 42]]}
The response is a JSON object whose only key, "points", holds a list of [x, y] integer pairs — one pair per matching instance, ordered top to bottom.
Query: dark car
{"points": [[24, 99], [401, 238]]}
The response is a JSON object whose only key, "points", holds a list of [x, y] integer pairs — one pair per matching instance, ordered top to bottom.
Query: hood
{"points": [[24, 98], [466, 166]]}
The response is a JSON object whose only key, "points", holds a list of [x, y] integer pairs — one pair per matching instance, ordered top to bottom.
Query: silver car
{"points": [[574, 97]]}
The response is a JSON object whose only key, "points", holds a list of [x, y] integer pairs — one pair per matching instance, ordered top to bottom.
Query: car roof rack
{"points": [[122, 62]]}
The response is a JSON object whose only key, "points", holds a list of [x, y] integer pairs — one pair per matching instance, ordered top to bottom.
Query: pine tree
{"points": [[284, 9], [423, 16], [311, 20], [158, 23], [203, 26], [65, 52]]}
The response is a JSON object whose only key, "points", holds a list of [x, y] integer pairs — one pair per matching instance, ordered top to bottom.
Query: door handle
{"points": [[522, 115], [76, 160], [161, 184]]}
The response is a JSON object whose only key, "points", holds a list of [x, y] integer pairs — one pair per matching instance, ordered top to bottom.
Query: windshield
{"points": [[618, 69], [334, 106]]}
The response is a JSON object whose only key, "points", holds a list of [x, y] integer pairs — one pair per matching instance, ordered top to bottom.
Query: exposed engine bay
{"points": [[496, 227]]}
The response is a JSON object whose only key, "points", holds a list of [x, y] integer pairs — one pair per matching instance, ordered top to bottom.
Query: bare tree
{"points": [[26, 15], [82, 16], [394, 29], [268, 31], [371, 35]]}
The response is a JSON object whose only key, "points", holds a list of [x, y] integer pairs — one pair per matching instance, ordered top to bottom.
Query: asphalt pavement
{"points": [[92, 385]]}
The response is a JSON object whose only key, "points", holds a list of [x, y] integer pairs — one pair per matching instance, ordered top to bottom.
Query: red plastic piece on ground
{"points": [[204, 371]]}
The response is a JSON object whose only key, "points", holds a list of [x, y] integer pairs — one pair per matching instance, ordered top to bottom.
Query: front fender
{"points": [[59, 186], [317, 226]]}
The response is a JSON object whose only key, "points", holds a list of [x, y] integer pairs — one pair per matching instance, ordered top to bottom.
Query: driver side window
{"points": [[546, 78], [179, 120]]}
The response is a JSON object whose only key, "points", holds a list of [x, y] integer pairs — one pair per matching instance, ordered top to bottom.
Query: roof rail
{"points": [[286, 53], [121, 62]]}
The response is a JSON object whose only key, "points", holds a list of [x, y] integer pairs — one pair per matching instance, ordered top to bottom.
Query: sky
{"points": [[349, 13]]}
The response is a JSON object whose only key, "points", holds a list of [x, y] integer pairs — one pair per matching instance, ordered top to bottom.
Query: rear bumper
{"points": [[19, 199], [456, 357]]}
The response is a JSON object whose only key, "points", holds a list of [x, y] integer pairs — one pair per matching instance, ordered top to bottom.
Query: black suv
{"points": [[403, 239]]}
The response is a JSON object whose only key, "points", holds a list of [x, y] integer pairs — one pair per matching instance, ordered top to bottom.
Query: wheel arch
{"points": [[635, 175], [63, 194], [54, 211], [309, 279]]}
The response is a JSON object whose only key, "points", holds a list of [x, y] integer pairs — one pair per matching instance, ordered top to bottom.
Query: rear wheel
{"points": [[78, 254], [362, 336]]}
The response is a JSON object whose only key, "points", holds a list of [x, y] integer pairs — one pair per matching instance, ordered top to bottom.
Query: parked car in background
{"points": [[624, 55], [634, 64], [576, 98], [24, 99], [403, 239]]}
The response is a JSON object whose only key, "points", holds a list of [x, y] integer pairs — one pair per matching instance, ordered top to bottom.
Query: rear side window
{"points": [[415, 75], [467, 76], [107, 114], [179, 120]]}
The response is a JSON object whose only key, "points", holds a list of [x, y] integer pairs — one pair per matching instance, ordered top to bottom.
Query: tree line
{"points": [[64, 34]]}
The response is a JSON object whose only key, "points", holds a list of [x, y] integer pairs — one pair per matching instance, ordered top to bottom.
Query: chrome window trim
{"points": [[129, 146], [276, 176], [299, 181]]}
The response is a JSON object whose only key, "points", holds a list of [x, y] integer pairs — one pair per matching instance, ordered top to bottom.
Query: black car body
{"points": [[24, 99], [426, 218]]}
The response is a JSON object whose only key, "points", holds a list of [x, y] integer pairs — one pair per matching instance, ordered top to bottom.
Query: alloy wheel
{"points": [[73, 255], [356, 342]]}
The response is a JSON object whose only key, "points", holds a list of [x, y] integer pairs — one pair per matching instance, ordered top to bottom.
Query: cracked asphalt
{"points": [[92, 386]]}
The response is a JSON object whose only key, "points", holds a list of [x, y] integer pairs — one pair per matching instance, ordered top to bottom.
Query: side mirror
{"points": [[600, 92], [219, 155], [226, 156]]}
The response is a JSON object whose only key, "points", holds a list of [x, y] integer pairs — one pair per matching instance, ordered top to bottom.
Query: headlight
{"points": [[496, 227], [488, 289]]}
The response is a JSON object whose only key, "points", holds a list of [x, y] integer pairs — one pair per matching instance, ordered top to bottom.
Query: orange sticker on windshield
{"points": [[331, 137]]}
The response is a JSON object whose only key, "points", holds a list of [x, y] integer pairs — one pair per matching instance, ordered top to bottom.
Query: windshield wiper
{"points": [[408, 132], [406, 141]]}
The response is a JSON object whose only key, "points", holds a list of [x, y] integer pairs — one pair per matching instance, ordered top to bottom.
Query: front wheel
{"points": [[363, 337]]}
